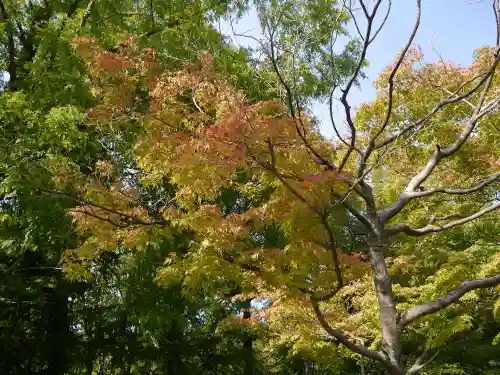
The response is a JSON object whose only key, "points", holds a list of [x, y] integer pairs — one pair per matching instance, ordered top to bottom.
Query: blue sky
{"points": [[454, 28]]}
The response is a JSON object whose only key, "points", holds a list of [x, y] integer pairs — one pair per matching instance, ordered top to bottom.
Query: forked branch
{"points": [[392, 75], [354, 77], [453, 98], [441, 153], [470, 190], [406, 197], [431, 228], [419, 311], [344, 340], [423, 360]]}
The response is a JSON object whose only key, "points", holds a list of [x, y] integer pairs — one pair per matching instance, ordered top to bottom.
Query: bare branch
{"points": [[349, 8], [496, 10], [365, 11], [86, 13], [383, 22], [354, 77], [290, 99], [330, 99], [449, 100], [464, 100], [489, 107], [332, 119], [371, 144], [438, 155], [272, 168], [470, 190], [406, 197], [357, 214], [100, 217], [129, 219], [430, 228], [335, 256], [429, 308], [344, 340], [423, 360]]}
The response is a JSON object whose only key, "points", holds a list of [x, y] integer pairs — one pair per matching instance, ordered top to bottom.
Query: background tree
{"points": [[48, 324]]}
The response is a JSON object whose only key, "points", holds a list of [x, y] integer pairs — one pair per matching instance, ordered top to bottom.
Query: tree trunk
{"points": [[58, 331], [391, 335], [248, 343]]}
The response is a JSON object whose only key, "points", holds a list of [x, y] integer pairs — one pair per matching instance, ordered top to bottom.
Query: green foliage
{"points": [[168, 295], [496, 310]]}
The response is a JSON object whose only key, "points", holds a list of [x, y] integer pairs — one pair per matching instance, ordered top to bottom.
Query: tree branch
{"points": [[349, 8], [86, 13], [382, 24], [354, 77], [290, 100], [449, 100], [332, 119], [371, 143], [442, 153], [272, 168], [472, 189], [395, 208], [130, 219], [430, 228], [336, 262], [419, 311], [344, 340], [423, 360]]}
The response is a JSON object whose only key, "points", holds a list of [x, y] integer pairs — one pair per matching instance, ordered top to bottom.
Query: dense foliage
{"points": [[168, 204]]}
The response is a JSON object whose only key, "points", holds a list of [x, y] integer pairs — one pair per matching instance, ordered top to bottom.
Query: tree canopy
{"points": [[170, 206]]}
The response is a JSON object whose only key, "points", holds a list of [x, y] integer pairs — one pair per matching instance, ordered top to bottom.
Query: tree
{"points": [[43, 100], [417, 106], [200, 134]]}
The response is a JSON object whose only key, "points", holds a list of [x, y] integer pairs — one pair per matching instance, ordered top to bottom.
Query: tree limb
{"points": [[86, 13], [382, 24], [360, 34], [354, 77], [290, 99], [449, 100], [332, 119], [371, 143], [442, 153], [272, 168], [472, 189], [404, 198], [130, 219], [430, 228], [336, 262], [419, 311], [344, 340], [423, 360]]}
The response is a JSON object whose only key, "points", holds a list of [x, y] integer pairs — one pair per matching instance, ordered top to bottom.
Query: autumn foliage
{"points": [[200, 134]]}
